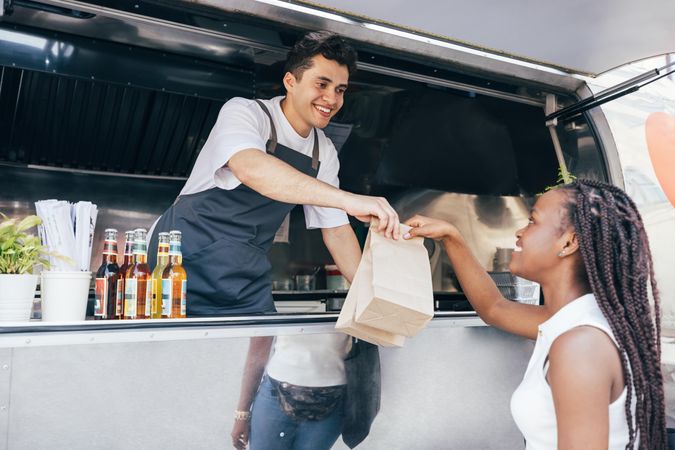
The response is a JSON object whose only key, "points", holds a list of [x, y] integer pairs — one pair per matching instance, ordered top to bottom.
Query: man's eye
{"points": [[322, 85], [341, 90], [530, 220]]}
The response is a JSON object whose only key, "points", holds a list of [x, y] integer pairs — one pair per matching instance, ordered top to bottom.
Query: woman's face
{"points": [[540, 241]]}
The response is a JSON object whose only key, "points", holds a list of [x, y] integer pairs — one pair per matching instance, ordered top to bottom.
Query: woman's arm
{"points": [[477, 285], [256, 359], [584, 370]]}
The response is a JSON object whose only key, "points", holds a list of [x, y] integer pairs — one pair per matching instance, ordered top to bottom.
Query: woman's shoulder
{"points": [[586, 338], [584, 351]]}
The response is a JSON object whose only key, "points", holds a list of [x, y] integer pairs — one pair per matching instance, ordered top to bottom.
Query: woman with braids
{"points": [[594, 379]]}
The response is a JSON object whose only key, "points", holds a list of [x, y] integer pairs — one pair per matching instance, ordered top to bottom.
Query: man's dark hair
{"points": [[329, 45]]}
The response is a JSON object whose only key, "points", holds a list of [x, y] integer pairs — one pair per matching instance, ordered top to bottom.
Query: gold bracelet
{"points": [[244, 416]]}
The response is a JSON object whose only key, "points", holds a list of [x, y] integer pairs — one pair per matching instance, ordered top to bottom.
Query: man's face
{"points": [[317, 96]]}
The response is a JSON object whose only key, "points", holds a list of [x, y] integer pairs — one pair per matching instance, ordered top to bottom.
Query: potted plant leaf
{"points": [[20, 252]]}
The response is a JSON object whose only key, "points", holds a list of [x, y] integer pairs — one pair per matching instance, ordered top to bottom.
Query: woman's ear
{"points": [[571, 243]]}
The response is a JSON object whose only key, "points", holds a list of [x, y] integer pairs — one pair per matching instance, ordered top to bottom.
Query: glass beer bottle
{"points": [[162, 261], [126, 263], [106, 278], [174, 281], [138, 282]]}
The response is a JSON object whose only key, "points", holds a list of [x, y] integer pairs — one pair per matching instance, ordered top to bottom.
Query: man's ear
{"points": [[289, 81]]}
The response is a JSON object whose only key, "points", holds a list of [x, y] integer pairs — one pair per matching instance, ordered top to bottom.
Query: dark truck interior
{"points": [[117, 116]]}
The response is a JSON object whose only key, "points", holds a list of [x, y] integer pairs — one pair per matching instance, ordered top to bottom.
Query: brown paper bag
{"points": [[361, 290], [402, 300]]}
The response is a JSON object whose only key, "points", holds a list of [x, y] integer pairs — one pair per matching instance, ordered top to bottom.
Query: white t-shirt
{"points": [[241, 125], [310, 359]]}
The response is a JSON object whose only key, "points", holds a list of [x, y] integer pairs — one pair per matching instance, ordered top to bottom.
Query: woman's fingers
{"points": [[416, 221], [413, 223], [416, 230], [240, 435], [240, 443]]}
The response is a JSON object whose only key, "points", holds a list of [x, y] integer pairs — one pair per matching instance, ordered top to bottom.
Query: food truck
{"points": [[111, 102]]}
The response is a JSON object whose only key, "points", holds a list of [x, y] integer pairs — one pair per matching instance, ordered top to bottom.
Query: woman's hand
{"points": [[429, 228], [239, 434]]}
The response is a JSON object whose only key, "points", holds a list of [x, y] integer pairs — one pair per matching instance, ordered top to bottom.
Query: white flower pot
{"points": [[17, 293]]}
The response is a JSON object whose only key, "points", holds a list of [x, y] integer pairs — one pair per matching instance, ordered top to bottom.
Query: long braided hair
{"points": [[619, 268]]}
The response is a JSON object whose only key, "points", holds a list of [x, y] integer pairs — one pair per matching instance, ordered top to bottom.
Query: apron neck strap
{"points": [[272, 142], [315, 151]]}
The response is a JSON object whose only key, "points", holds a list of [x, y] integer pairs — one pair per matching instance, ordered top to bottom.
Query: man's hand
{"points": [[364, 208], [240, 432]]}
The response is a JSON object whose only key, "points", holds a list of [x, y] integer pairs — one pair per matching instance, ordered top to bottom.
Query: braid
{"points": [[615, 252]]}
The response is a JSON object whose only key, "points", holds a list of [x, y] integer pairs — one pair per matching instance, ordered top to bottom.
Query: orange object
{"points": [[660, 134]]}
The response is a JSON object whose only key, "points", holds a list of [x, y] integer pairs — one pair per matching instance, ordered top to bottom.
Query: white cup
{"points": [[64, 296]]}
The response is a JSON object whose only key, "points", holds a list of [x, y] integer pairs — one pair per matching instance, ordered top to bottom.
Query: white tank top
{"points": [[532, 402]]}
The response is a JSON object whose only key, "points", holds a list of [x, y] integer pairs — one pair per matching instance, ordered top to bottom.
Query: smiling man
{"points": [[262, 158]]}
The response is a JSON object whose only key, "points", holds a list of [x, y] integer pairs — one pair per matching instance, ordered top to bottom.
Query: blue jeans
{"points": [[271, 429]]}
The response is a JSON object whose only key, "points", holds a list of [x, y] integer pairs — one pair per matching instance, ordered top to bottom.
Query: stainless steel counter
{"points": [[174, 384]]}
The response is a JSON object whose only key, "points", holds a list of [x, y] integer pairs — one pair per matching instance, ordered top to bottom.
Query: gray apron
{"points": [[226, 237]]}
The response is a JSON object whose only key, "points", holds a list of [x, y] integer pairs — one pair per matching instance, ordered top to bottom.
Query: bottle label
{"points": [[110, 248], [140, 248], [174, 249], [101, 289], [148, 297], [156, 297], [166, 297], [130, 298], [183, 298], [119, 304]]}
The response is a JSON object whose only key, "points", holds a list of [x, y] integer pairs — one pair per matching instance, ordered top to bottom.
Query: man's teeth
{"points": [[322, 109], [517, 249]]}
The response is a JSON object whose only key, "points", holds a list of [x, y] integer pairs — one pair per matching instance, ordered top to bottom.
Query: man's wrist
{"points": [[342, 199]]}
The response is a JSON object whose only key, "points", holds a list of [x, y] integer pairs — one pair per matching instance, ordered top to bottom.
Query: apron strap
{"points": [[272, 142], [315, 151]]}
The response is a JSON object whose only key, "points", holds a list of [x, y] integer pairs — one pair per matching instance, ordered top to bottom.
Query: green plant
{"points": [[564, 177], [20, 251]]}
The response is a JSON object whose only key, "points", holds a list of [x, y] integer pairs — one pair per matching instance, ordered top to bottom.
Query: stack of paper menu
{"points": [[67, 230]]}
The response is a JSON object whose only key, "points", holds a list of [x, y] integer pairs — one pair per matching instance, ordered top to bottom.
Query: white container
{"points": [[516, 288], [16, 296], [64, 296]]}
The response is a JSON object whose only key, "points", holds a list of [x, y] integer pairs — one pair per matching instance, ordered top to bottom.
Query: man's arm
{"points": [[279, 181], [344, 248]]}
